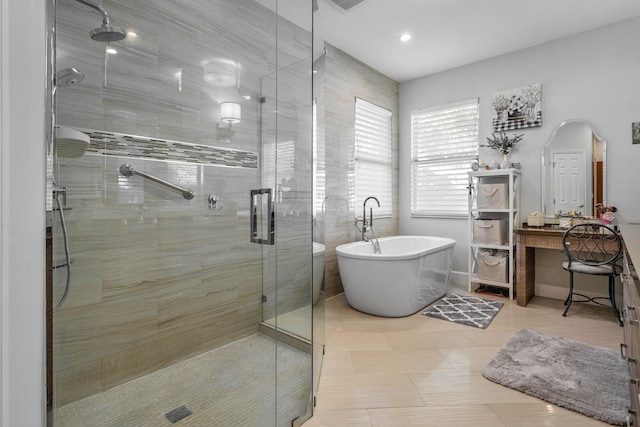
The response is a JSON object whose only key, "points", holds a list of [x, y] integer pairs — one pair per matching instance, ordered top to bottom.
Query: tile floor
{"points": [[423, 371], [233, 385]]}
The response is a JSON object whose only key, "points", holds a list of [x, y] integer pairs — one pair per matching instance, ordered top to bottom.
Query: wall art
{"points": [[518, 108]]}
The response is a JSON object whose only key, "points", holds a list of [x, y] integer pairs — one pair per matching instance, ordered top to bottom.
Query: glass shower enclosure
{"points": [[181, 204]]}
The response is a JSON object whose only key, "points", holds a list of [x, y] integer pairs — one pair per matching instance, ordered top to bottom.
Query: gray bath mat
{"points": [[471, 311], [590, 380]]}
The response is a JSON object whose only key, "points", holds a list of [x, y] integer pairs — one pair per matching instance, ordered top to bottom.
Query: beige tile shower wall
{"points": [[346, 78], [138, 92], [157, 278]]}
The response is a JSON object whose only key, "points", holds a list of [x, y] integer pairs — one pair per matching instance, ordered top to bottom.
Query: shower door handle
{"points": [[262, 230]]}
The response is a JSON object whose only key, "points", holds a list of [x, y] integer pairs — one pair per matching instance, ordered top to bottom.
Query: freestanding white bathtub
{"points": [[410, 273]]}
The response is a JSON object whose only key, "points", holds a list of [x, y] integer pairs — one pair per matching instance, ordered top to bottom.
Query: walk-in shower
{"points": [[173, 314]]}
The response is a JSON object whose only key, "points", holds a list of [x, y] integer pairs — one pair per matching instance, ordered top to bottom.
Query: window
{"points": [[444, 143], [318, 174], [373, 174]]}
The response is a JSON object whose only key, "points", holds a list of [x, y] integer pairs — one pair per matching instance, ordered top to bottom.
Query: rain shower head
{"points": [[106, 33], [68, 77], [70, 142]]}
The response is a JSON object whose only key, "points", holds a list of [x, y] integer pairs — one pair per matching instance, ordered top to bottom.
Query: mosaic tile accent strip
{"points": [[119, 144]]}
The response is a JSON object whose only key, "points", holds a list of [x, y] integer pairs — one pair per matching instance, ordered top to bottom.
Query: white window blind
{"points": [[444, 143], [318, 166], [373, 174]]}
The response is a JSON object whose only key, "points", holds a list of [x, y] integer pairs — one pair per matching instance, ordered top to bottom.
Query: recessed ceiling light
{"points": [[405, 37], [111, 51]]}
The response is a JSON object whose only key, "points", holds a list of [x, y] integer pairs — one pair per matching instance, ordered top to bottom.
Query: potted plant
{"points": [[504, 144], [606, 213]]}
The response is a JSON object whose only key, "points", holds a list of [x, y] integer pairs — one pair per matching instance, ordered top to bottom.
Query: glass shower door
{"points": [[287, 265]]}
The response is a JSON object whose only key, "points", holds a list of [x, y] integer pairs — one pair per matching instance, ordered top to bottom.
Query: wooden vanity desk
{"points": [[527, 240]]}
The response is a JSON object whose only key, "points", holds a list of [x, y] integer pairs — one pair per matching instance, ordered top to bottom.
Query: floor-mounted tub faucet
{"points": [[364, 214], [369, 226]]}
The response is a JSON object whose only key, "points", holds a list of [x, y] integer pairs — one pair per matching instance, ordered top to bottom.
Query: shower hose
{"points": [[66, 253]]}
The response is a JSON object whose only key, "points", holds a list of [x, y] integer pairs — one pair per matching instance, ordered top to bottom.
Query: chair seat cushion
{"points": [[578, 267]]}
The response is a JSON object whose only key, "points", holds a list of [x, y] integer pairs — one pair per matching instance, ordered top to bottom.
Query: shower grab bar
{"points": [[128, 170]]}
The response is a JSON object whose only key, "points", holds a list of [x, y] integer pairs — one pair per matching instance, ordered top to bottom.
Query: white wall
{"points": [[591, 76], [22, 217]]}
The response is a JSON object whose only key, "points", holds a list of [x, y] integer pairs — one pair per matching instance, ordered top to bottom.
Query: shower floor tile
{"points": [[230, 386]]}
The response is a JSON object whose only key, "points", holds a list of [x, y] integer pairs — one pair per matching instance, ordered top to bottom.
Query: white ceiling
{"points": [[449, 33]]}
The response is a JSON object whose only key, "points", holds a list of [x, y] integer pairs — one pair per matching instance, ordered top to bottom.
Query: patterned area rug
{"points": [[471, 311], [583, 378]]}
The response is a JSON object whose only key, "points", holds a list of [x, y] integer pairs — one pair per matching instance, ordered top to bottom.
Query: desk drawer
{"points": [[631, 323]]}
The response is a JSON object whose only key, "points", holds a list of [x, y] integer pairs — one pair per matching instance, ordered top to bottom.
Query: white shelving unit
{"points": [[491, 213]]}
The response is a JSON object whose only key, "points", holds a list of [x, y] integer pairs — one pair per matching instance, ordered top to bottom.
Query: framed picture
{"points": [[518, 108], [635, 132]]}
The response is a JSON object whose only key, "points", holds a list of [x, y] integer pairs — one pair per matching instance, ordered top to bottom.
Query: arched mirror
{"points": [[574, 169]]}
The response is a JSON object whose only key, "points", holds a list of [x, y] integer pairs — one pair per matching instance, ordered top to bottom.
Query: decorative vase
{"points": [[530, 114], [503, 116], [505, 164], [604, 220]]}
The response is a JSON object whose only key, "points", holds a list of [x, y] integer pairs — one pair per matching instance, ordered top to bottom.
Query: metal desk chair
{"points": [[592, 249]]}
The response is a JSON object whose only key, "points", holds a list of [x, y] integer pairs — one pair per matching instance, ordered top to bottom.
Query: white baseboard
{"points": [[458, 280], [550, 291], [559, 292]]}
